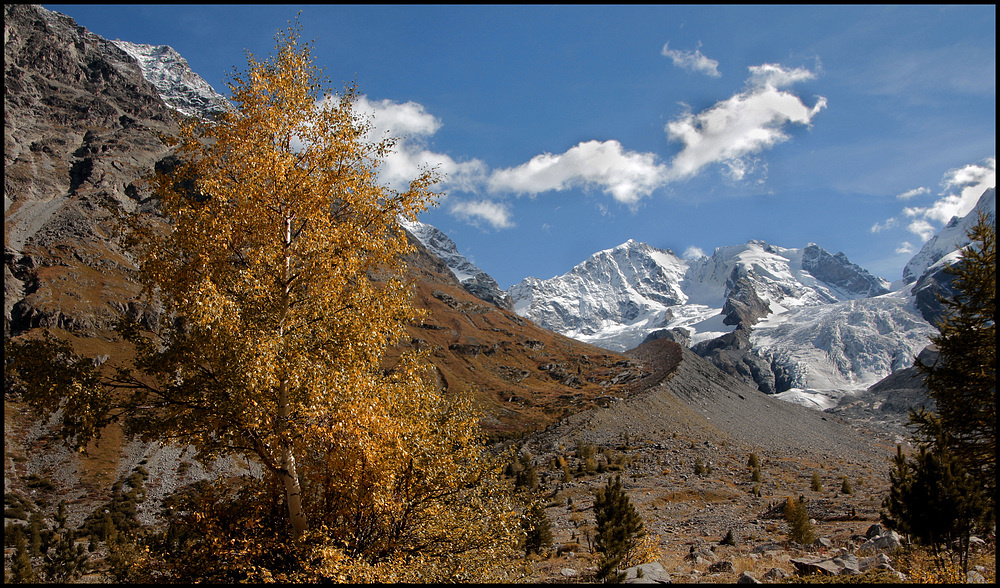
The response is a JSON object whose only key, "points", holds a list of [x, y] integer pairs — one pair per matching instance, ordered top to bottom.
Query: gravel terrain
{"points": [[653, 439]]}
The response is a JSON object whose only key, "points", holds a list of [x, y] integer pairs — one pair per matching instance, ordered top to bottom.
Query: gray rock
{"points": [[875, 530], [823, 542], [884, 543], [768, 549], [838, 566], [722, 567], [648, 573], [775, 574], [974, 577], [747, 578]]}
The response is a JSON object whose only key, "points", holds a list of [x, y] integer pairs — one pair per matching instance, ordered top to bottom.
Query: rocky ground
{"points": [[656, 439]]}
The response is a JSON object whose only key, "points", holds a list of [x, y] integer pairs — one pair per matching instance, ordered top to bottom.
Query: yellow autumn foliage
{"points": [[279, 278]]}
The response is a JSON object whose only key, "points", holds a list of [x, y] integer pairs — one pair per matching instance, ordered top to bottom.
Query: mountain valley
{"points": [[641, 360]]}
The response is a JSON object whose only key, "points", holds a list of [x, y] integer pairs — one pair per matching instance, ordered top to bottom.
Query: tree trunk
{"points": [[288, 472]]}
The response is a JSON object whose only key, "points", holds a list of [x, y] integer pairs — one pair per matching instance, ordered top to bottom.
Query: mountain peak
{"points": [[178, 86], [949, 239], [474, 280]]}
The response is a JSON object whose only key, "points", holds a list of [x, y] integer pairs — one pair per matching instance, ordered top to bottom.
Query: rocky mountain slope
{"points": [[80, 131], [924, 274]]}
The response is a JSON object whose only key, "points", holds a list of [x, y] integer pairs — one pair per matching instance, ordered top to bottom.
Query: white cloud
{"points": [[692, 61], [772, 75], [411, 125], [733, 130], [730, 133], [626, 175], [962, 188], [914, 192], [496, 215], [888, 224], [922, 229], [904, 248], [693, 252]]}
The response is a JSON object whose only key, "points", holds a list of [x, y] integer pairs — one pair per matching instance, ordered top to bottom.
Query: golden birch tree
{"points": [[276, 231], [278, 275]]}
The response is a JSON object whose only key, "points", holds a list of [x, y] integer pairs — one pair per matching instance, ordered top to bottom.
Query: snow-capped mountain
{"points": [[178, 86], [943, 248], [925, 277], [476, 281], [618, 296]]}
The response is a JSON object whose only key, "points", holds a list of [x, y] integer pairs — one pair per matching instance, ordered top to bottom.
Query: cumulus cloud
{"points": [[692, 61], [411, 125], [732, 131], [626, 175], [962, 188], [914, 192], [479, 211], [904, 248], [693, 252]]}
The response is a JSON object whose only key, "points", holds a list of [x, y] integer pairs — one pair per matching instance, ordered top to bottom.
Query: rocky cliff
{"points": [[81, 128]]}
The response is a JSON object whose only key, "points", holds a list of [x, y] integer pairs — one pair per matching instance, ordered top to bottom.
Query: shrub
{"points": [[538, 530], [800, 530]]}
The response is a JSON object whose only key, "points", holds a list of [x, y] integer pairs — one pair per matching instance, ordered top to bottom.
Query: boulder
{"points": [[874, 531], [823, 543], [886, 543], [767, 549], [842, 565], [722, 567], [648, 573], [974, 577], [747, 578]]}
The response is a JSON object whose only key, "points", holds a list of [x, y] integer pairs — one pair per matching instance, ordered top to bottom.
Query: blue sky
{"points": [[565, 130]]}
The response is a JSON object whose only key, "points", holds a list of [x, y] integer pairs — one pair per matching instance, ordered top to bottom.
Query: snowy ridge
{"points": [[178, 86], [949, 240], [475, 280], [619, 295]]}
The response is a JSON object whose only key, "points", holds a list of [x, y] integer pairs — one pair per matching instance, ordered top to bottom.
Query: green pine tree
{"points": [[963, 380], [935, 501], [538, 529], [619, 530], [67, 560], [21, 570]]}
